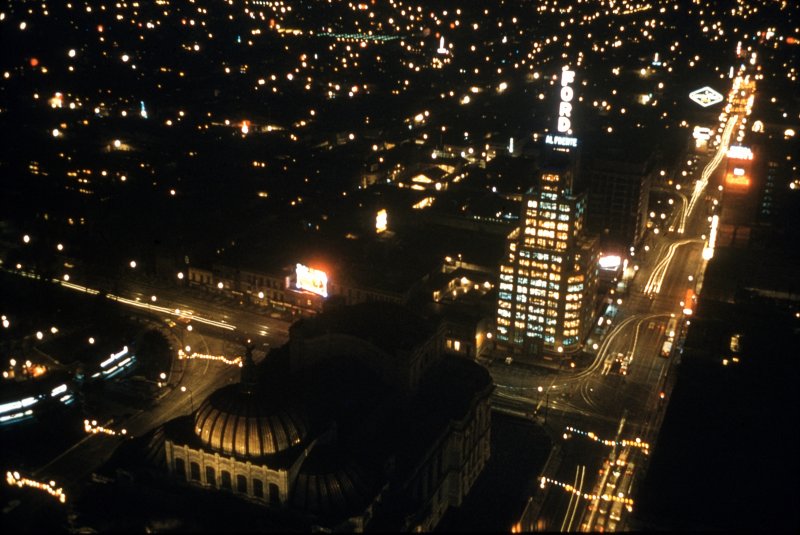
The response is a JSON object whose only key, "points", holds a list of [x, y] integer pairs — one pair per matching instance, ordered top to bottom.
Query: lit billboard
{"points": [[705, 96], [564, 124], [702, 133], [561, 141], [737, 152], [737, 178], [735, 181], [381, 221], [610, 262], [311, 280]]}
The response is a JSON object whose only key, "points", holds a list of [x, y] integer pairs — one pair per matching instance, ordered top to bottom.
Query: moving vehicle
{"points": [[688, 302], [670, 332]]}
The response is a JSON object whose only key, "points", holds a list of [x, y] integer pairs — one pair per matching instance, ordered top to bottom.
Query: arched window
{"points": [[195, 468], [180, 469], [211, 478], [226, 480], [241, 484], [258, 488], [274, 494]]}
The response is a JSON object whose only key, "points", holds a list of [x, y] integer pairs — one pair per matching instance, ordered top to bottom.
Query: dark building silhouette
{"points": [[617, 182]]}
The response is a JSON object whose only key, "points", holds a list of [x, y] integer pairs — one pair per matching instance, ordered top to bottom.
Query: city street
{"points": [[593, 202], [185, 385], [606, 417]]}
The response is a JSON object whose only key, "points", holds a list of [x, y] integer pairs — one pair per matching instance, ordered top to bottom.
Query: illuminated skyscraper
{"points": [[548, 276]]}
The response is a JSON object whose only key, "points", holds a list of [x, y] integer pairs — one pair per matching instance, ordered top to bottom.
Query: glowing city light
{"points": [[706, 96], [564, 124], [737, 152], [381, 220], [708, 250], [610, 262], [312, 280], [236, 361], [93, 428], [636, 443], [14, 478], [586, 496]]}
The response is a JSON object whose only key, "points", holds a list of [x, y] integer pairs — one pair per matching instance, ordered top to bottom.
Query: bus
{"points": [[688, 302], [669, 337], [666, 349]]}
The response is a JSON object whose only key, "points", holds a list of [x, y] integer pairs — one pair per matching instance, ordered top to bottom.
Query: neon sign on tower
{"points": [[565, 107], [564, 124]]}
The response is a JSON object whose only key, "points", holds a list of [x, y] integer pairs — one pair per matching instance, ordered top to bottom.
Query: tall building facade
{"points": [[618, 184], [548, 277]]}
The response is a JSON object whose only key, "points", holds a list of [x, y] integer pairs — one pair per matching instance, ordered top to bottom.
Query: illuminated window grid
{"points": [[544, 299]]}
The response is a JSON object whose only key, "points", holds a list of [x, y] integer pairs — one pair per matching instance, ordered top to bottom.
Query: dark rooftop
{"points": [[386, 325]]}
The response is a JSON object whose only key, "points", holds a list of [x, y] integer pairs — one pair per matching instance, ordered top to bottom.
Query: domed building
{"points": [[360, 420], [237, 422]]}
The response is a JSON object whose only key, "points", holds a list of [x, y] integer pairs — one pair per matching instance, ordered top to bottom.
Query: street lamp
{"points": [[541, 389], [191, 397]]}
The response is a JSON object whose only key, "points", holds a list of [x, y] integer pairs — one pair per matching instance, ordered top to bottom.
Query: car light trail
{"points": [[701, 184], [681, 213], [708, 250], [657, 276], [77, 287], [138, 304], [165, 310], [602, 360], [574, 499]]}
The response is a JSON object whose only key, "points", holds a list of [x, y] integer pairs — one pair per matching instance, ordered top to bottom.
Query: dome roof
{"points": [[235, 421], [333, 486]]}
